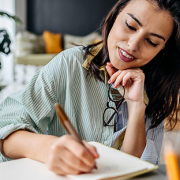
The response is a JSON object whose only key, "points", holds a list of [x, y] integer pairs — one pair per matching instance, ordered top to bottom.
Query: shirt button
{"points": [[120, 112]]}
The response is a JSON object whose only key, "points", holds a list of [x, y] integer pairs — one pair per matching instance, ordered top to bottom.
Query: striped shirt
{"points": [[84, 99]]}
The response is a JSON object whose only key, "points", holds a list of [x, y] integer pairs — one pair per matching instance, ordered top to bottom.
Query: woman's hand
{"points": [[131, 79], [133, 82], [62, 155], [67, 156]]}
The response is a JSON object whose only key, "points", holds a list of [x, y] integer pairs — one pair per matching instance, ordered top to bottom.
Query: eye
{"points": [[130, 27], [151, 43]]}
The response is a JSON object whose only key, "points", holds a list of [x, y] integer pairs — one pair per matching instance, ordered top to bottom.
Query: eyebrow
{"points": [[132, 16], [140, 24], [157, 35]]}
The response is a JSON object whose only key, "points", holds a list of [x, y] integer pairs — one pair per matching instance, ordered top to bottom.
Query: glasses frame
{"points": [[113, 108]]}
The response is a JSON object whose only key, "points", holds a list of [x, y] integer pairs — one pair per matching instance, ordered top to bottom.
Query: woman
{"points": [[140, 49]]}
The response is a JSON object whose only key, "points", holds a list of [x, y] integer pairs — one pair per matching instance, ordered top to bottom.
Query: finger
{"points": [[110, 64], [110, 70], [114, 77], [126, 77], [119, 79], [92, 149], [79, 151], [83, 154], [70, 160], [62, 161], [53, 165], [59, 166], [69, 168], [58, 171]]}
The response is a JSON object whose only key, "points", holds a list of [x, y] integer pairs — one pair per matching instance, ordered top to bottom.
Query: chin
{"points": [[116, 66]]}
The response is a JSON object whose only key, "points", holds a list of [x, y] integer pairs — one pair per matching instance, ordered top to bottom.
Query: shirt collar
{"points": [[93, 52]]}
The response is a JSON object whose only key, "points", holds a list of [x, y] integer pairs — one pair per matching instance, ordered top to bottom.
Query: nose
{"points": [[134, 42]]}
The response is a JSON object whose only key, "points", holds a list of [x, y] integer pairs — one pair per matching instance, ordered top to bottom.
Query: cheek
{"points": [[117, 34], [149, 52], [148, 55]]}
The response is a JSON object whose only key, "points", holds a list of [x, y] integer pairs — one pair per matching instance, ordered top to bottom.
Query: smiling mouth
{"points": [[124, 56]]}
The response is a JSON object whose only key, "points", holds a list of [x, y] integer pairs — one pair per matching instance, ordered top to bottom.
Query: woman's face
{"points": [[138, 34]]}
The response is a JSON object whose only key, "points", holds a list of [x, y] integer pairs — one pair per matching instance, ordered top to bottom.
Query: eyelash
{"points": [[130, 27], [133, 29], [150, 42]]}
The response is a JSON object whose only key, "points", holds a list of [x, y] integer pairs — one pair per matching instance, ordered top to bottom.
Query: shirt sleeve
{"points": [[30, 109], [154, 138]]}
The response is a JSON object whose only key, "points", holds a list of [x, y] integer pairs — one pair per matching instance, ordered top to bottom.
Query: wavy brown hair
{"points": [[162, 73]]}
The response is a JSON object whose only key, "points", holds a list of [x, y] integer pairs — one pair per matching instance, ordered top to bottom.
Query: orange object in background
{"points": [[52, 42], [171, 162]]}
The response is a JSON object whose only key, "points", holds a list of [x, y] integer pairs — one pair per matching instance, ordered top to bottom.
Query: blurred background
{"points": [[47, 27], [44, 29]]}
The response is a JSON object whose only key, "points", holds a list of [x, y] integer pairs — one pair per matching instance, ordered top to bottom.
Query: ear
{"points": [[163, 47]]}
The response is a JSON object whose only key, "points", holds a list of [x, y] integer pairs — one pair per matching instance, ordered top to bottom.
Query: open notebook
{"points": [[112, 164]]}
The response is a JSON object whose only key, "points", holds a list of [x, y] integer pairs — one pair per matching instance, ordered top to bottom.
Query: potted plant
{"points": [[4, 36], [5, 39]]}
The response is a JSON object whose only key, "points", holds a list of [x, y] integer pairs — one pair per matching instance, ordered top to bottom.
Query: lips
{"points": [[125, 56]]}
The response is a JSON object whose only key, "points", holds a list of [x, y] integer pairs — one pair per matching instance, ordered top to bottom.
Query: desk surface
{"points": [[19, 172], [159, 174]]}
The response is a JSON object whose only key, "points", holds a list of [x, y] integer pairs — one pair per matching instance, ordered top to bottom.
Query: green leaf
{"points": [[15, 18]]}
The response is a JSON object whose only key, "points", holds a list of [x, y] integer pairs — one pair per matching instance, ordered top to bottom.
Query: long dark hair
{"points": [[162, 73]]}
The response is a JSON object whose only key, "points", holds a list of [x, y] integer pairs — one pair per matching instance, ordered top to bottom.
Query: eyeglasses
{"points": [[108, 116]]}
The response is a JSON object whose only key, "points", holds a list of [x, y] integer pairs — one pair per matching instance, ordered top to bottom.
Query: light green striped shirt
{"points": [[65, 81], [84, 99]]}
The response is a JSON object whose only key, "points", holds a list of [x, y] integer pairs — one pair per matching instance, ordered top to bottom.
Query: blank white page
{"points": [[27, 169]]}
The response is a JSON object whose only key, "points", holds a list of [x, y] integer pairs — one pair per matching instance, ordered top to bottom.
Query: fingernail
{"points": [[109, 81], [114, 85]]}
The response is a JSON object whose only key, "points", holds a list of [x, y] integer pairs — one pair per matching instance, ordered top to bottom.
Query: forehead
{"points": [[151, 17]]}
